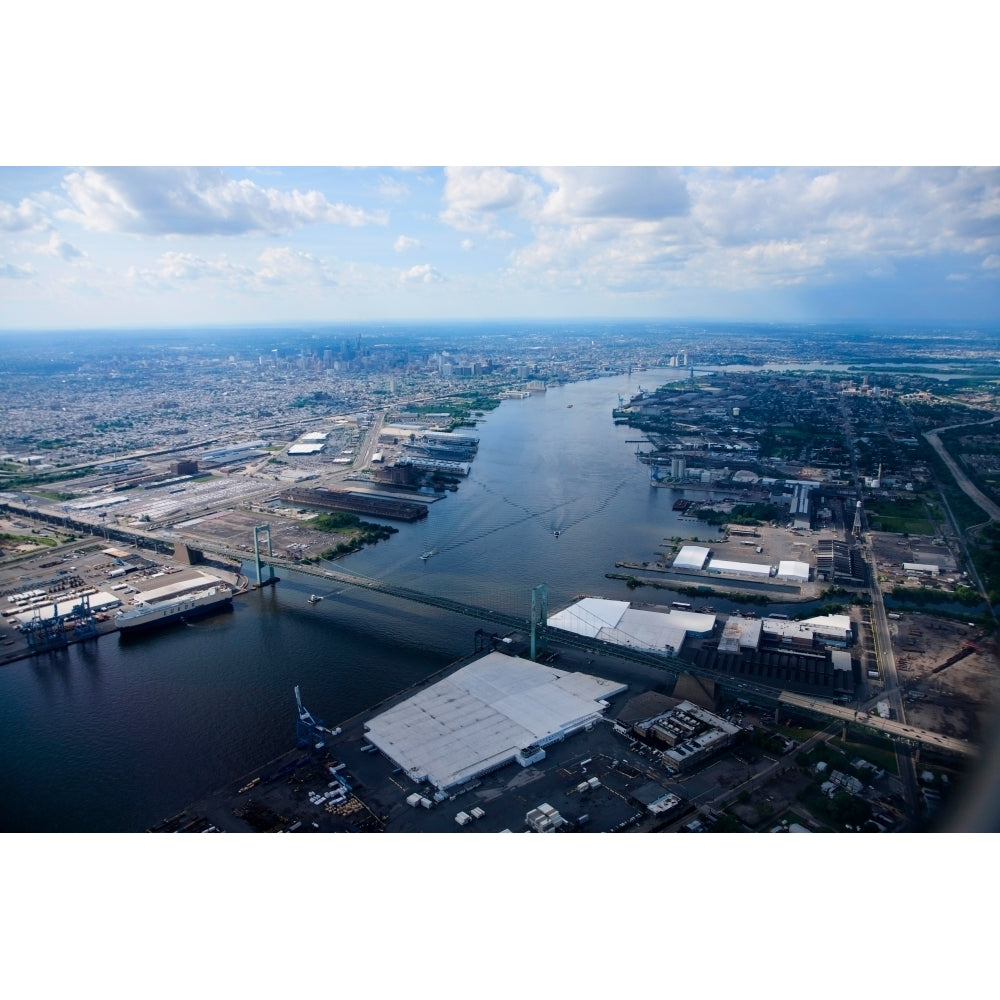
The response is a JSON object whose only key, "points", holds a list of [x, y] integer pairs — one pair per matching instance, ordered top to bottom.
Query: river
{"points": [[114, 735]]}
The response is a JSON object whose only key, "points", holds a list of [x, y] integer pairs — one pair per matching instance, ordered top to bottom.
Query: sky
{"points": [[326, 91], [93, 246]]}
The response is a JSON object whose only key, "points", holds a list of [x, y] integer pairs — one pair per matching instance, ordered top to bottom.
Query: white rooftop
{"points": [[691, 557], [733, 566], [792, 569], [183, 583], [100, 601], [618, 622], [830, 623], [483, 714]]}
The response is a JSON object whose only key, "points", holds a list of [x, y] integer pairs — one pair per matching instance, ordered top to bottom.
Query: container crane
{"points": [[309, 731]]}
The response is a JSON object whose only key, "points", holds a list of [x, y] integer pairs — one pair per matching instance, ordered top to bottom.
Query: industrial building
{"points": [[234, 453], [436, 465], [356, 503], [799, 508], [691, 559], [835, 562], [731, 567], [791, 569], [923, 569], [95, 601], [620, 623], [830, 630], [739, 634], [843, 672], [498, 710], [690, 732]]}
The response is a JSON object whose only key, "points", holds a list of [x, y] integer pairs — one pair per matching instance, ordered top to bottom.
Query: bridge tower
{"points": [[266, 529], [539, 616]]}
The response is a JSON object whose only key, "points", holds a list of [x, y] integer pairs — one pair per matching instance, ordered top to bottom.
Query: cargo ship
{"points": [[201, 602]]}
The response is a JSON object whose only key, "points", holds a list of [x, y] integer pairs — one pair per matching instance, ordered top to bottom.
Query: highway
{"points": [[933, 438], [886, 658], [897, 730]]}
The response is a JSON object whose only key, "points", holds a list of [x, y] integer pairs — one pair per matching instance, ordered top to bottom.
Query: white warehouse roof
{"points": [[691, 557], [731, 566], [791, 569], [100, 601], [618, 622], [481, 716]]}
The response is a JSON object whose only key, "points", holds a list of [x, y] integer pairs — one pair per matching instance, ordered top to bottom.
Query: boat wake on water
{"points": [[529, 516]]}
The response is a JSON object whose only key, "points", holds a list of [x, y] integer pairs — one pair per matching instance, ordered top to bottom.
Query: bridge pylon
{"points": [[266, 529], [539, 616]]}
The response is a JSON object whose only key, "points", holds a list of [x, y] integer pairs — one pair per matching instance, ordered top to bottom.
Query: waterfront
{"points": [[114, 736]]}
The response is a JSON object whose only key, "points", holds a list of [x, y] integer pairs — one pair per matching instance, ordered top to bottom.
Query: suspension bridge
{"points": [[536, 626], [542, 634]]}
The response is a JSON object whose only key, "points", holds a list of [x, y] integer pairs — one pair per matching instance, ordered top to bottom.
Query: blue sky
{"points": [[84, 246]]}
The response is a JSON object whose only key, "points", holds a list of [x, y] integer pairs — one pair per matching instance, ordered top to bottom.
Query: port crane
{"points": [[309, 731]]}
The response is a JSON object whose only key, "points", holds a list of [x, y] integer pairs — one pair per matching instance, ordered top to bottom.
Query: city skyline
{"points": [[141, 246]]}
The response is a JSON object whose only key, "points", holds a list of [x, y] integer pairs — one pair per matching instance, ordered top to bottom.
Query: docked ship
{"points": [[201, 602]]}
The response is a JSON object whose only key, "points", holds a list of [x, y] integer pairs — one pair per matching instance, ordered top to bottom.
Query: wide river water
{"points": [[115, 735]]}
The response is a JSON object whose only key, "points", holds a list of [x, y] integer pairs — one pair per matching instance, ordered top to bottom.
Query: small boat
{"points": [[556, 533], [427, 555], [314, 599]]}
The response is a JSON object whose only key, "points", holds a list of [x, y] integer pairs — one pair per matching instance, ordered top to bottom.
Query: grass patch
{"points": [[905, 516], [344, 523], [28, 539], [879, 751]]}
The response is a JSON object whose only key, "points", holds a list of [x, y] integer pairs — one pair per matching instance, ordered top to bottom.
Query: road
{"points": [[933, 438], [899, 730]]}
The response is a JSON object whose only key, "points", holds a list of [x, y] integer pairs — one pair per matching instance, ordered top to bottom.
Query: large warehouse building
{"points": [[691, 558], [620, 623], [497, 710]]}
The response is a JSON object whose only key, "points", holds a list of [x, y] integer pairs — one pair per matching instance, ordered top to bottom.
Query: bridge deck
{"points": [[759, 693]]}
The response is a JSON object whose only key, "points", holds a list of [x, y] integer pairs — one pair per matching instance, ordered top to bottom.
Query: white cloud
{"points": [[392, 189], [642, 193], [474, 195], [201, 201], [27, 214], [722, 228], [404, 243], [467, 244], [57, 247], [992, 262], [283, 265], [274, 266], [16, 271], [421, 274]]}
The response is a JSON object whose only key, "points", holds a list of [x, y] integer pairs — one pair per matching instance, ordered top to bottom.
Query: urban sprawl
{"points": [[824, 623]]}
